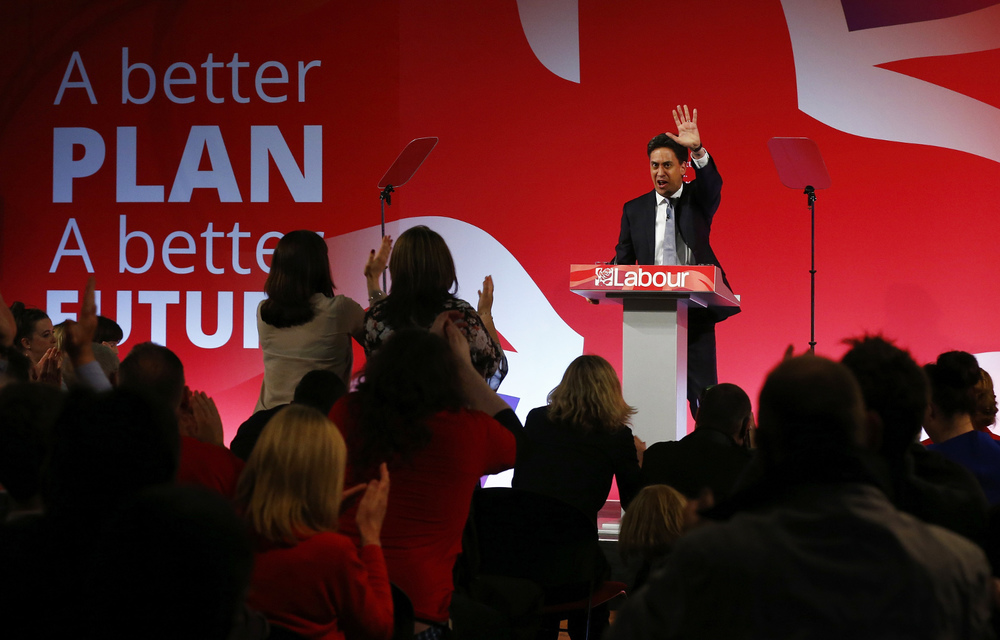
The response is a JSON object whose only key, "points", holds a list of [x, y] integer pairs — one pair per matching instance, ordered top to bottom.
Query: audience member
{"points": [[423, 286], [8, 324], [302, 324], [35, 333], [109, 333], [36, 339], [108, 360], [14, 366], [158, 373], [953, 379], [318, 389], [423, 408], [27, 412], [985, 415], [573, 447], [104, 449], [713, 455], [920, 482], [650, 527], [814, 549], [172, 562], [308, 578]]}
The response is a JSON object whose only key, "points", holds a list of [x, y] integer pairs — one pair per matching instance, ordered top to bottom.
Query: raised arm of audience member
{"points": [[375, 267], [485, 308], [8, 326], [80, 340], [478, 393], [199, 418], [371, 509]]}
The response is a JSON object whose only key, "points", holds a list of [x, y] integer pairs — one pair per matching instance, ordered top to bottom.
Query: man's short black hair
{"points": [[661, 140], [108, 330], [155, 371], [894, 387], [319, 389], [809, 404], [724, 407]]}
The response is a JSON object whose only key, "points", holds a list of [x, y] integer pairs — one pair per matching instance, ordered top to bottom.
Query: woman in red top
{"points": [[425, 409], [307, 577]]}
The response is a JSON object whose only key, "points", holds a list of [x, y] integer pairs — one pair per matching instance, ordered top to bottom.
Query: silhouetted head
{"points": [[155, 371], [953, 379], [894, 388], [319, 389], [809, 405], [725, 408], [108, 446], [173, 562]]}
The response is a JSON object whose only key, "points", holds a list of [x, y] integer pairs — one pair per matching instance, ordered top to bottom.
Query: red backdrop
{"points": [[536, 160]]}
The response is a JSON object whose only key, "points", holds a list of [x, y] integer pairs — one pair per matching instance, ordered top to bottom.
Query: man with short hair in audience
{"points": [[109, 333], [156, 371], [318, 389], [713, 455], [921, 482], [814, 549]]}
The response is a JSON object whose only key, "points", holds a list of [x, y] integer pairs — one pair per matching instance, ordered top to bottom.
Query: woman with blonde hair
{"points": [[576, 444], [650, 527], [307, 577]]}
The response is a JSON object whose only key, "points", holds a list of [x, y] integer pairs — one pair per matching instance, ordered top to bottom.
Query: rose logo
{"points": [[604, 276]]}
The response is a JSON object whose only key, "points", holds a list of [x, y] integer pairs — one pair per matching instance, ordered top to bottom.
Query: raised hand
{"points": [[687, 128], [377, 262], [485, 306], [81, 333], [48, 369], [206, 415], [199, 418], [371, 509]]}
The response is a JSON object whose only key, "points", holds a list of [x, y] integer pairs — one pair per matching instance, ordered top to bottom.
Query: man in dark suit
{"points": [[672, 225], [713, 455]]}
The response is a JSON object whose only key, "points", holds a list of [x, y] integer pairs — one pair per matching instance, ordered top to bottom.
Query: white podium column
{"points": [[654, 366]]}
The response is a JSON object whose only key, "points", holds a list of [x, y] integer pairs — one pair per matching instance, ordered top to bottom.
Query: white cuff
{"points": [[700, 162]]}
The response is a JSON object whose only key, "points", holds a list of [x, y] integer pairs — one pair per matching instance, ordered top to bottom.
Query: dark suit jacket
{"points": [[698, 202], [703, 458], [575, 466]]}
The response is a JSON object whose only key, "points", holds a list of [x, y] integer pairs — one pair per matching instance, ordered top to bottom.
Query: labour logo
{"points": [[604, 277]]}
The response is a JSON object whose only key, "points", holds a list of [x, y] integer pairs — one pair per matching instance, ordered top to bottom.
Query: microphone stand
{"points": [[800, 165], [810, 194], [386, 197]]}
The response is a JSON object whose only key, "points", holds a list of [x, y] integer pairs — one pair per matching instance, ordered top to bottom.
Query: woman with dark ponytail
{"points": [[35, 334], [35, 338], [954, 398]]}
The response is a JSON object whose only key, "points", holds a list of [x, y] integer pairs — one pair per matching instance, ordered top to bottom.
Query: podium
{"points": [[655, 301]]}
